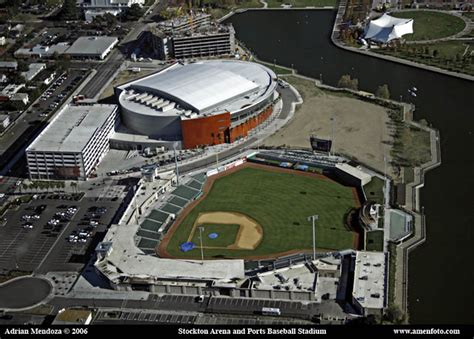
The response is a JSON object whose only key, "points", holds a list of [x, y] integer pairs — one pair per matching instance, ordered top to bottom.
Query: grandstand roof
{"points": [[126, 260]]}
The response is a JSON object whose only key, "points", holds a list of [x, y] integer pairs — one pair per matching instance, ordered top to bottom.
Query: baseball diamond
{"points": [[277, 203]]}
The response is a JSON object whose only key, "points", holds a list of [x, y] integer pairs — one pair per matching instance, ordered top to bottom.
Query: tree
{"points": [[69, 11], [133, 13], [435, 53], [22, 66], [346, 82], [383, 92], [394, 315]]}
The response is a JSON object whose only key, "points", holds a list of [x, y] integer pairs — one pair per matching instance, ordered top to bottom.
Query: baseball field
{"points": [[259, 211]]}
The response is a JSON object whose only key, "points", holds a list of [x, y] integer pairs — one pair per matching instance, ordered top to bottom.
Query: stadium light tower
{"points": [[176, 164], [313, 219], [200, 239]]}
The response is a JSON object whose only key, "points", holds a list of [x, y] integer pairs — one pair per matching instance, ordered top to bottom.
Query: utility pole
{"points": [[313, 219], [200, 239]]}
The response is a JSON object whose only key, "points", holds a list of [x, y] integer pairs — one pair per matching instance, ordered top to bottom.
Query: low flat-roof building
{"points": [[92, 47], [40, 51], [9, 65], [33, 70], [4, 121], [73, 144], [352, 175], [369, 288]]}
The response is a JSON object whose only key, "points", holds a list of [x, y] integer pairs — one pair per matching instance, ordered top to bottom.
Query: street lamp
{"points": [[313, 219], [200, 239]]}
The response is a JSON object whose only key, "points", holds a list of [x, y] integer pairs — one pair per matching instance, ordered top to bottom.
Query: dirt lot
{"points": [[359, 127]]}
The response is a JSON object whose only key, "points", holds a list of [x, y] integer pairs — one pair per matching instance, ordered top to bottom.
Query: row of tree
{"points": [[347, 82], [43, 185]]}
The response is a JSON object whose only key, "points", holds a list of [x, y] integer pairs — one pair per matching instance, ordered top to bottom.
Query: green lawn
{"points": [[302, 3], [431, 25], [451, 55], [277, 69], [374, 190], [280, 203], [227, 235], [374, 241]]}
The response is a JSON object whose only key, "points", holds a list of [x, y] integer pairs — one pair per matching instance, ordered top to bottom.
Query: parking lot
{"points": [[59, 90], [46, 247], [140, 317]]}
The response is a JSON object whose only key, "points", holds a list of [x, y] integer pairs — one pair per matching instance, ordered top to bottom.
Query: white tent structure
{"points": [[387, 28]]}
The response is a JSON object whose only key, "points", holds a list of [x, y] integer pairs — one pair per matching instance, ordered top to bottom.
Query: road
{"points": [[110, 66], [104, 72], [220, 305]]}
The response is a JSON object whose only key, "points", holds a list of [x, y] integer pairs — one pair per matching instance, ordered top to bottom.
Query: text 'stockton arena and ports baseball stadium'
{"points": [[201, 103]]}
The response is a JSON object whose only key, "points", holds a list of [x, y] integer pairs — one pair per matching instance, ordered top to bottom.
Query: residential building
{"points": [[33, 70]]}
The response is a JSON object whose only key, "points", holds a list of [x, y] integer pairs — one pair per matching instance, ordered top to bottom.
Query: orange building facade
{"points": [[216, 129]]}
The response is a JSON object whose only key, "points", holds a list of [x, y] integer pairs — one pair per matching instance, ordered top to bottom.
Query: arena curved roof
{"points": [[207, 86]]}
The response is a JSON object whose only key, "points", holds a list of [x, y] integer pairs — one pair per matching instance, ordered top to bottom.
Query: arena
{"points": [[201, 103]]}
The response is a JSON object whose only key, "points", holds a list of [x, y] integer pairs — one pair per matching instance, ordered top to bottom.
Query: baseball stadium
{"points": [[198, 104], [255, 211]]}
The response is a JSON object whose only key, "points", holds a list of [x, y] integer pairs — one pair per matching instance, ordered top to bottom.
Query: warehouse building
{"points": [[95, 47], [198, 104], [73, 144]]}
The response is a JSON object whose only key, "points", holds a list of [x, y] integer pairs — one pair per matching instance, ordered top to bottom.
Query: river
{"points": [[441, 278]]}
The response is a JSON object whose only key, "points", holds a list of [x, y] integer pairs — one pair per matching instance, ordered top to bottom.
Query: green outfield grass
{"points": [[281, 204], [227, 235]]}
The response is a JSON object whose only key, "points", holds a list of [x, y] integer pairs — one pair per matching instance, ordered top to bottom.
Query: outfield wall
{"points": [[225, 167]]}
